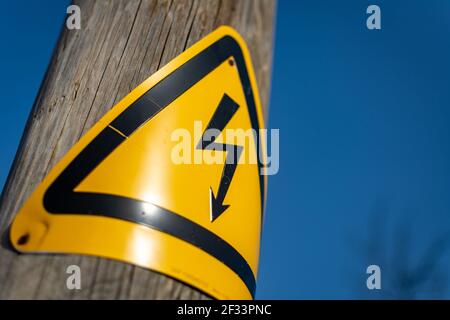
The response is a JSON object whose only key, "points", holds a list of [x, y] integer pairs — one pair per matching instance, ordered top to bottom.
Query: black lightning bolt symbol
{"points": [[223, 114]]}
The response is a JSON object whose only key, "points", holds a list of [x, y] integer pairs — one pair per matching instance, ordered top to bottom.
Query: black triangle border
{"points": [[60, 197]]}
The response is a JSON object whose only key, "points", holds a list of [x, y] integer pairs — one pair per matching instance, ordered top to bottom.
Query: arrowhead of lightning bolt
{"points": [[216, 206]]}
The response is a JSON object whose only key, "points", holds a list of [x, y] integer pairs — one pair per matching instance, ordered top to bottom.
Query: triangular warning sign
{"points": [[170, 179]]}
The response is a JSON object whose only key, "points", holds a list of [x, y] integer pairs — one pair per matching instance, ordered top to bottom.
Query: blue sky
{"points": [[364, 119]]}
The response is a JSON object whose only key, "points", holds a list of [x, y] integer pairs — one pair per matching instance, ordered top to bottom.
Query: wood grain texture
{"points": [[120, 44]]}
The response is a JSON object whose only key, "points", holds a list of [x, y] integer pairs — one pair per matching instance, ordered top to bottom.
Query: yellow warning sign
{"points": [[170, 179]]}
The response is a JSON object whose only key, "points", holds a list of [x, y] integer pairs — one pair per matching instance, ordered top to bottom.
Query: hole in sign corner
{"points": [[23, 239]]}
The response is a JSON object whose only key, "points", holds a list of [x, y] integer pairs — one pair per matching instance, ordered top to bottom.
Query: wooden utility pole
{"points": [[120, 44]]}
